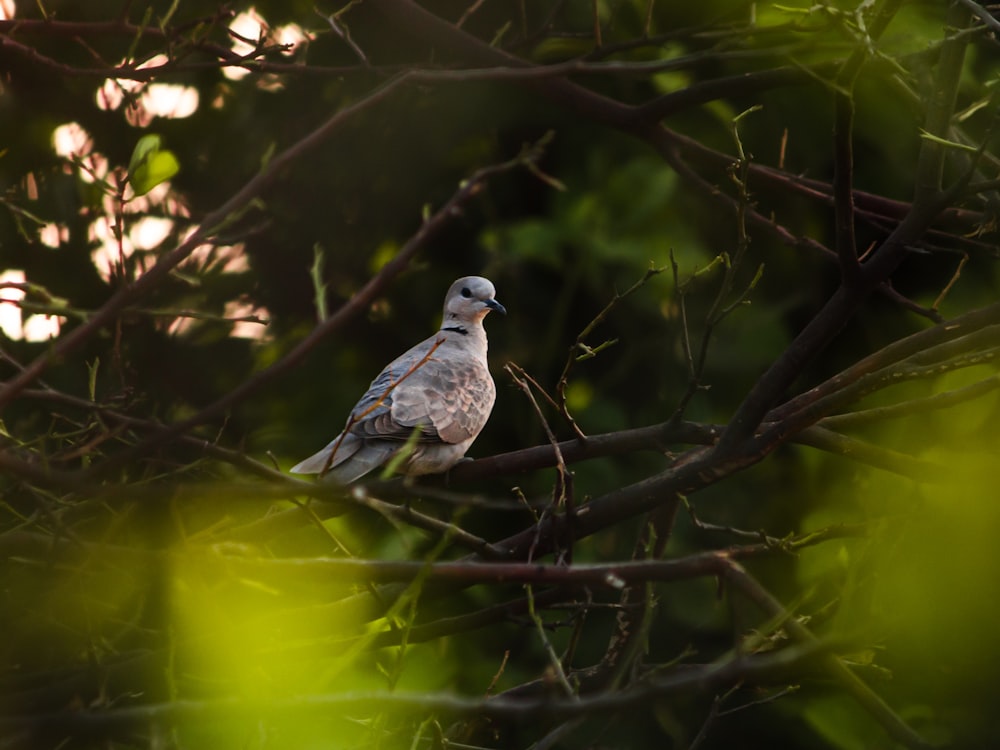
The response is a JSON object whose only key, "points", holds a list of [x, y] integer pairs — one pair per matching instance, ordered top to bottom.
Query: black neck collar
{"points": [[456, 329]]}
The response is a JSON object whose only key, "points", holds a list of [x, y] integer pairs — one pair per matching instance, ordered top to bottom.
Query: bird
{"points": [[428, 405]]}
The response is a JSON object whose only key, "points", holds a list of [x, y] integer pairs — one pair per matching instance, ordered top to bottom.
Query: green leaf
{"points": [[557, 49], [944, 142], [147, 145], [150, 165], [160, 167], [319, 286], [92, 378], [402, 454]]}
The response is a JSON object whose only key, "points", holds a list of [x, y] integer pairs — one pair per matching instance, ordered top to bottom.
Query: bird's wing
{"points": [[448, 395]]}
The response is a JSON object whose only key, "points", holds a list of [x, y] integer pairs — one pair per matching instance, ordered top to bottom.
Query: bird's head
{"points": [[470, 299]]}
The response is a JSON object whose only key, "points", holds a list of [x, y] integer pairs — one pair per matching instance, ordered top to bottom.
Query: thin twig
{"points": [[983, 14], [137, 290], [360, 301], [721, 305], [579, 350], [563, 498], [897, 728]]}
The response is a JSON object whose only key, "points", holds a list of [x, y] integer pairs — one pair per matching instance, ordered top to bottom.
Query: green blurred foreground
{"points": [[218, 223]]}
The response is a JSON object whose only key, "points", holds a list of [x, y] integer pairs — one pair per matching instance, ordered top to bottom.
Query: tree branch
{"points": [[140, 288]]}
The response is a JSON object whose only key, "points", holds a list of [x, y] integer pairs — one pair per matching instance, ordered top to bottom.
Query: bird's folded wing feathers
{"points": [[441, 389], [448, 397], [456, 397], [335, 452]]}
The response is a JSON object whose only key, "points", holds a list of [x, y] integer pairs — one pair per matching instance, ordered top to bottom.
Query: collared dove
{"points": [[441, 389]]}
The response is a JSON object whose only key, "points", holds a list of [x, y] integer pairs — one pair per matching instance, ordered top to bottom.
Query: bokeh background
{"points": [[137, 579]]}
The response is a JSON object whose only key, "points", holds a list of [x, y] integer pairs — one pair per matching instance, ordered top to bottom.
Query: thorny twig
{"points": [[626, 117], [468, 189], [721, 306], [580, 350], [562, 494], [894, 724]]}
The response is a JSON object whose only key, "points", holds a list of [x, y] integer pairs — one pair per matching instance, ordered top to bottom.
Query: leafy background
{"points": [[150, 605]]}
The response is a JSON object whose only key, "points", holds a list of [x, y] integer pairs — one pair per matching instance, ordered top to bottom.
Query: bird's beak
{"points": [[494, 305]]}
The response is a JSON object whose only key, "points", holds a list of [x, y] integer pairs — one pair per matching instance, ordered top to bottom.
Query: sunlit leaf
{"points": [[150, 165]]}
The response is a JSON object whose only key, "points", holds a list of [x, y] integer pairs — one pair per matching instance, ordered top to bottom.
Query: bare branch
{"points": [[982, 13], [137, 290], [360, 301]]}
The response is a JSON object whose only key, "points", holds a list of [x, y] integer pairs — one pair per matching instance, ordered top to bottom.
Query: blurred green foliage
{"points": [[916, 597]]}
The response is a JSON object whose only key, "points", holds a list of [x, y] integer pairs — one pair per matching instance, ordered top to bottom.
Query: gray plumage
{"points": [[441, 389]]}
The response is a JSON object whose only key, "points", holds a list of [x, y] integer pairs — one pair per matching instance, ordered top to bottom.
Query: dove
{"points": [[430, 402]]}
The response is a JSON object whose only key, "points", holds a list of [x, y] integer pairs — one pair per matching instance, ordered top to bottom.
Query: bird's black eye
{"points": [[466, 292]]}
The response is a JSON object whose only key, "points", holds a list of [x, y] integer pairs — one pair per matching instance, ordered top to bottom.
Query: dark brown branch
{"points": [[982, 14], [120, 27], [435, 32], [740, 84], [940, 107], [843, 140], [670, 145], [843, 171], [137, 290], [847, 299], [359, 302], [827, 323], [963, 325], [579, 349], [913, 406], [818, 436], [655, 437], [699, 467], [563, 498], [614, 575], [100, 722], [897, 728]]}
